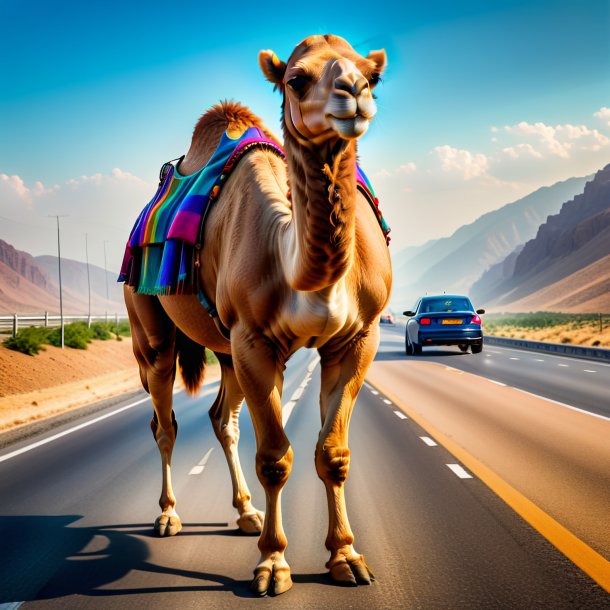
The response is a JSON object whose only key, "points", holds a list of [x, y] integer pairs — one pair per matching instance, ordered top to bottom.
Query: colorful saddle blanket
{"points": [[159, 256]]}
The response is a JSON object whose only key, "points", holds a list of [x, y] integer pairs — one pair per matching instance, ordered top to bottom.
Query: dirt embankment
{"points": [[56, 380]]}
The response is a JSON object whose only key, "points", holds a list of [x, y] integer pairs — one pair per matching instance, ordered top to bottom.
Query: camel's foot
{"points": [[251, 522], [168, 524], [349, 568], [272, 575]]}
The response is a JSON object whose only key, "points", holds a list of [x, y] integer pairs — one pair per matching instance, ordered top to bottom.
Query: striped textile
{"points": [[159, 256]]}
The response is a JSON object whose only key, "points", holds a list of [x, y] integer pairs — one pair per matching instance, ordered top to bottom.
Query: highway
{"points": [[443, 461]]}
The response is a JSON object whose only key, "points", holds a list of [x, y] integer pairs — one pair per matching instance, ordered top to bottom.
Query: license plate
{"points": [[452, 321]]}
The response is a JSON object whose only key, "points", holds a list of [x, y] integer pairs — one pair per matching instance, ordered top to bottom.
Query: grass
{"points": [[577, 329], [31, 340]]}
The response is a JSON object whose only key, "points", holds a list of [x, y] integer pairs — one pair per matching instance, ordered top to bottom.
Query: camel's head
{"points": [[328, 88]]}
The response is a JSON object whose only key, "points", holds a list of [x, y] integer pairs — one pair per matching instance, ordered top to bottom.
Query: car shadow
{"points": [[427, 353], [50, 558]]}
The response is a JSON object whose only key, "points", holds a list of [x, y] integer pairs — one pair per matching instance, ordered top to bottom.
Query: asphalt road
{"points": [[76, 516]]}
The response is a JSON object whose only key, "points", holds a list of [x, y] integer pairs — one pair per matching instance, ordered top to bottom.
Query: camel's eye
{"points": [[375, 78], [298, 83]]}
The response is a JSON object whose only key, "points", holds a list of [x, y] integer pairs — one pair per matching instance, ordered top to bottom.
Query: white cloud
{"points": [[604, 114], [559, 141], [521, 150], [469, 165], [408, 168], [383, 173], [15, 185], [104, 206]]}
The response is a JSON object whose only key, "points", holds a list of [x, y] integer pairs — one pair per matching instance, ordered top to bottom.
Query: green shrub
{"points": [[102, 330], [76, 335], [29, 340], [210, 357]]}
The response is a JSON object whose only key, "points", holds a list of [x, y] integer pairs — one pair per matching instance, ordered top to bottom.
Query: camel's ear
{"points": [[380, 59], [272, 66]]}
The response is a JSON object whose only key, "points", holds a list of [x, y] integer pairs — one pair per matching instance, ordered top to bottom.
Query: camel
{"points": [[292, 256]]}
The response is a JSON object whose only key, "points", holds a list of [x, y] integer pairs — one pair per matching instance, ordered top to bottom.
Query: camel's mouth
{"points": [[350, 128]]}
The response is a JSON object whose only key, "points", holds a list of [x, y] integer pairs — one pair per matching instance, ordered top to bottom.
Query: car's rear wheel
{"points": [[408, 347], [463, 347], [477, 348], [416, 349]]}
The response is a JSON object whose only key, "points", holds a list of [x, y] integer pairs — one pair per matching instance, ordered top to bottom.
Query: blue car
{"points": [[444, 320]]}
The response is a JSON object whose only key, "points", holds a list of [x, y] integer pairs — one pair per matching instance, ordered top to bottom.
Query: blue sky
{"points": [[482, 102]]}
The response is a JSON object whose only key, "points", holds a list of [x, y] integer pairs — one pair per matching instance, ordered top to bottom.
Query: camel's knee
{"points": [[165, 436], [332, 463], [271, 470]]}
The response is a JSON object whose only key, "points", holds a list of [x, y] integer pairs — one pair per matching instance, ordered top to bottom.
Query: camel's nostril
{"points": [[351, 84]]}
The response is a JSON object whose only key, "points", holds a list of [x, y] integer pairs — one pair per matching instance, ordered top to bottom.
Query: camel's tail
{"points": [[191, 359]]}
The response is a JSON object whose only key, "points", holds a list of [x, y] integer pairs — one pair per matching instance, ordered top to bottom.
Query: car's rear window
{"points": [[445, 305]]}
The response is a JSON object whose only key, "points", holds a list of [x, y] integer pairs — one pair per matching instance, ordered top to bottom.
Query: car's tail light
{"points": [[476, 319], [424, 321]]}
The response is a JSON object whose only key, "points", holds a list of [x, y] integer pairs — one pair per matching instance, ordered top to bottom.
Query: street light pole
{"points": [[106, 277], [88, 282], [61, 301]]}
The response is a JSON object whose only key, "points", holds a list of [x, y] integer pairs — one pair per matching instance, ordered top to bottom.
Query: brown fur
{"points": [[309, 269]]}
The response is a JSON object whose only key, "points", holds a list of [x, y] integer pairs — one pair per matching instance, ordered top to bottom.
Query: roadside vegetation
{"points": [[577, 329], [31, 340]]}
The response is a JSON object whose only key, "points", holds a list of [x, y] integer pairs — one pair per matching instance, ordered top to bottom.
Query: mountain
{"points": [[453, 264], [566, 267], [29, 285]]}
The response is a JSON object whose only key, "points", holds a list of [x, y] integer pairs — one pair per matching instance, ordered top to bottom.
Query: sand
{"points": [[55, 381]]}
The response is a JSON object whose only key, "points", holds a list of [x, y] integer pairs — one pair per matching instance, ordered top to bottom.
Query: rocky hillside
{"points": [[454, 263], [562, 268], [30, 285]]}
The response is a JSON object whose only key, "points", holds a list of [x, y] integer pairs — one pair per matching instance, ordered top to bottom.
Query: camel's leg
{"points": [[154, 345], [343, 372], [260, 374], [224, 414]]}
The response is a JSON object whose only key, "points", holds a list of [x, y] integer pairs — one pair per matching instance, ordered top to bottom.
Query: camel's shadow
{"points": [[50, 559]]}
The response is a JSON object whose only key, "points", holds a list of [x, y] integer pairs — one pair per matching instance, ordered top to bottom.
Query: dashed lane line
{"points": [[500, 383], [387, 402], [288, 408], [400, 414], [429, 441], [198, 469], [459, 471], [577, 551]]}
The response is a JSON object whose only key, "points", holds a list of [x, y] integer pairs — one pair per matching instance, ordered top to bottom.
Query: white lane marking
{"points": [[551, 357], [513, 358], [539, 359], [312, 365], [564, 365], [589, 371], [496, 382], [367, 386], [375, 392], [297, 394], [387, 402], [563, 404], [288, 408], [287, 411], [400, 414], [428, 441], [17, 452], [199, 468], [459, 471]]}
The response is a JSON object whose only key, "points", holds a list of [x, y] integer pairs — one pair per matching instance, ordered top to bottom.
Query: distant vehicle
{"points": [[386, 318], [444, 320]]}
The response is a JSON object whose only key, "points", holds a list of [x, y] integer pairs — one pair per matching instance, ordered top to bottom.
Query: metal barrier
{"points": [[17, 321], [564, 349]]}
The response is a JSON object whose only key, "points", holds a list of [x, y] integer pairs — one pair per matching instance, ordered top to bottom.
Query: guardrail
{"points": [[17, 321], [564, 349]]}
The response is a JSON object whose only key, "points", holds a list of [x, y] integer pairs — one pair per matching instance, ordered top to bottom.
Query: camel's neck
{"points": [[322, 231]]}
